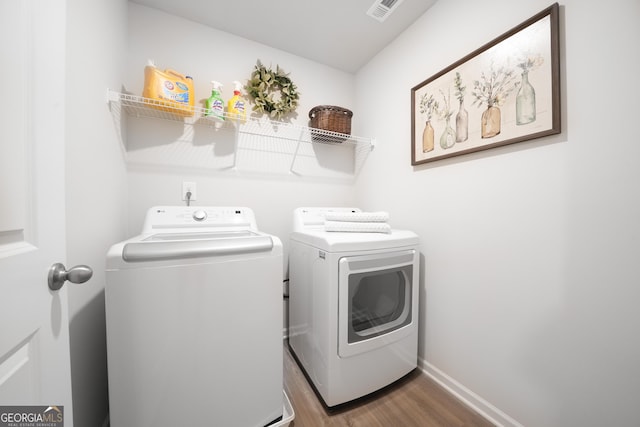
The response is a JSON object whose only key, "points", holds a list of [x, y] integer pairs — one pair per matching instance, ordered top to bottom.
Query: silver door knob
{"points": [[58, 274]]}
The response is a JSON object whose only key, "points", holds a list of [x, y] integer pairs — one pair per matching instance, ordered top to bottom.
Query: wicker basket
{"points": [[332, 119]]}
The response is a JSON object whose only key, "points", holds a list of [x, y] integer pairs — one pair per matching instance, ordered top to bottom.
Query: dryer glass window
{"points": [[379, 302]]}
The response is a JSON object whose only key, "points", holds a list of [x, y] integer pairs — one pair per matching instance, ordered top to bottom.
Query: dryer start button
{"points": [[200, 215]]}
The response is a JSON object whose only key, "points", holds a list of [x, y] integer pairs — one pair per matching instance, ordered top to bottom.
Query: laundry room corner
{"points": [[524, 255]]}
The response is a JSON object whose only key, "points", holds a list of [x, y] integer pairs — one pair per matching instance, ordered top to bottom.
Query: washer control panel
{"points": [[213, 217]]}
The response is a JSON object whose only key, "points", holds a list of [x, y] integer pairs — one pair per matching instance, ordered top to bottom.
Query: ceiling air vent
{"points": [[381, 9]]}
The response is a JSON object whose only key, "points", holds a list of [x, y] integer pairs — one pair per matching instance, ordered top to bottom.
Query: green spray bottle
{"points": [[215, 105]]}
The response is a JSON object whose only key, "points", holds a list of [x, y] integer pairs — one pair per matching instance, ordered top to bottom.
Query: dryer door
{"points": [[377, 300]]}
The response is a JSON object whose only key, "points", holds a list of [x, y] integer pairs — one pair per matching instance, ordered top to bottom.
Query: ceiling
{"points": [[337, 33]]}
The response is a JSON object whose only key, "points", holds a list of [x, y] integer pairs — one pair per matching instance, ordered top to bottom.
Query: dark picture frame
{"points": [[505, 92]]}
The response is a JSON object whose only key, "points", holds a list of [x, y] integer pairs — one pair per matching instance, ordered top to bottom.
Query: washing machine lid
{"points": [[346, 242]]}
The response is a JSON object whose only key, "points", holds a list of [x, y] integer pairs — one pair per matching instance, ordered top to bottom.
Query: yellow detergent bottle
{"points": [[168, 90], [236, 105]]}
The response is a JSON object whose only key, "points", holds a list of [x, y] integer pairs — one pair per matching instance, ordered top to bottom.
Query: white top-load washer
{"points": [[353, 305], [194, 322]]}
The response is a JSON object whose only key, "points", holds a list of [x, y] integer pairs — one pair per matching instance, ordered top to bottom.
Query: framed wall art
{"points": [[505, 92]]}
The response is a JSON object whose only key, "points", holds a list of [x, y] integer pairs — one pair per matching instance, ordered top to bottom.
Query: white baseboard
{"points": [[475, 402]]}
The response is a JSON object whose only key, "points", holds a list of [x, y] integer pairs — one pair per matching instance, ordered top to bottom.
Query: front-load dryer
{"points": [[353, 306], [194, 321]]}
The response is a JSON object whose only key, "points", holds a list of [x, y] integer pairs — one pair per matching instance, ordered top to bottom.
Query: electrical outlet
{"points": [[189, 186]]}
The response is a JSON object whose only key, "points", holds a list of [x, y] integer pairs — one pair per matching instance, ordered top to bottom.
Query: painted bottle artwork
{"points": [[493, 89], [525, 102], [428, 106], [462, 118], [490, 122], [462, 123], [427, 137], [448, 138]]}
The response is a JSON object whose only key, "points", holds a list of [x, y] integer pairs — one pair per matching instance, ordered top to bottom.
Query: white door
{"points": [[34, 330]]}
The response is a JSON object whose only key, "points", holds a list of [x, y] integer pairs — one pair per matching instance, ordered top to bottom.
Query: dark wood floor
{"points": [[414, 401]]}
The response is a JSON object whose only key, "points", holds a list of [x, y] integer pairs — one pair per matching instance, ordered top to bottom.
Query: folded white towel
{"points": [[357, 216], [357, 227]]}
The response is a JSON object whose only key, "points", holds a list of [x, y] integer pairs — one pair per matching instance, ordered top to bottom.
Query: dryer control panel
{"points": [[306, 218]]}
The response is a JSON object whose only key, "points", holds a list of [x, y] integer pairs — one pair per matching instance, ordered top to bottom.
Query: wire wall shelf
{"points": [[138, 106], [273, 139]]}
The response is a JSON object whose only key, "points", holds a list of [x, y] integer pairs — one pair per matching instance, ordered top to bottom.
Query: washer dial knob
{"points": [[200, 215]]}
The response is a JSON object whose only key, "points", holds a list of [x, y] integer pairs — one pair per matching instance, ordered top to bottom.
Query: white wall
{"points": [[163, 155], [95, 188], [529, 283]]}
